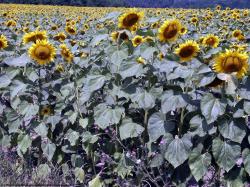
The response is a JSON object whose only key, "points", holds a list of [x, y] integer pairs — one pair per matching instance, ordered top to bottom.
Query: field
{"points": [[125, 97]]}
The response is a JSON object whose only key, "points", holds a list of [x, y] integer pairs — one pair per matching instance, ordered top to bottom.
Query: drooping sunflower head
{"points": [[129, 19], [71, 30], [169, 31], [34, 36], [60, 36], [114, 36], [137, 40], [211, 40], [3, 42], [187, 50], [42, 52], [66, 53], [141, 60], [231, 61]]}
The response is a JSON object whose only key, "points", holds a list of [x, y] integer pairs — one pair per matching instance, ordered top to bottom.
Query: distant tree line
{"points": [[140, 3]]}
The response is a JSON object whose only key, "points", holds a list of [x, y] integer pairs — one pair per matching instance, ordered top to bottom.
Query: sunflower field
{"points": [[127, 97]]}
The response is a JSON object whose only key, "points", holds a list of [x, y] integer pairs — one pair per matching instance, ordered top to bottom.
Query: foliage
{"points": [[113, 120]]}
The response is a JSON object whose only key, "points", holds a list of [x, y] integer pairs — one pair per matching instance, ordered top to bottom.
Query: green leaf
{"points": [[97, 39], [148, 53], [116, 59], [19, 61], [130, 68], [207, 79], [4, 81], [95, 82], [16, 88], [144, 99], [170, 102], [246, 107], [212, 108], [29, 110], [105, 116], [83, 122], [157, 126], [199, 126], [128, 129], [42, 130], [234, 130], [72, 136], [24, 142], [48, 150], [178, 150], [225, 153], [246, 160], [156, 161], [199, 163], [43, 171], [79, 174], [96, 182]]}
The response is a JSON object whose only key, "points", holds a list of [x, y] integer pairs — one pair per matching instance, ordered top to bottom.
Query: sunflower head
{"points": [[130, 19], [71, 30], [183, 30], [169, 31], [236, 33], [34, 36], [114, 36], [60, 37], [137, 40], [211, 41], [3, 42], [187, 50], [42, 52], [66, 53], [141, 60], [231, 61], [46, 111]]}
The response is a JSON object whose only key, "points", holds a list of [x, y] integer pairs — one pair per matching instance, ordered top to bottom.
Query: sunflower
{"points": [[129, 19], [194, 20], [70, 30], [183, 30], [169, 31], [236, 33], [34, 36], [114, 36], [60, 37], [137, 40], [211, 41], [3, 42], [186, 51], [42, 52], [66, 53], [141, 60], [232, 61], [59, 68], [46, 111]]}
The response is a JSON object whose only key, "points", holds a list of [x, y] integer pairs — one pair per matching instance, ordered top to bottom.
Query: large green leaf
{"points": [[148, 53], [116, 59], [20, 61], [130, 68], [4, 81], [95, 82], [16, 88], [144, 99], [170, 102], [212, 107], [105, 116], [158, 126], [199, 126], [129, 129], [42, 130], [234, 130], [72, 136], [24, 142], [48, 150], [178, 150], [225, 153], [246, 160], [199, 163], [79, 174], [95, 182]]}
